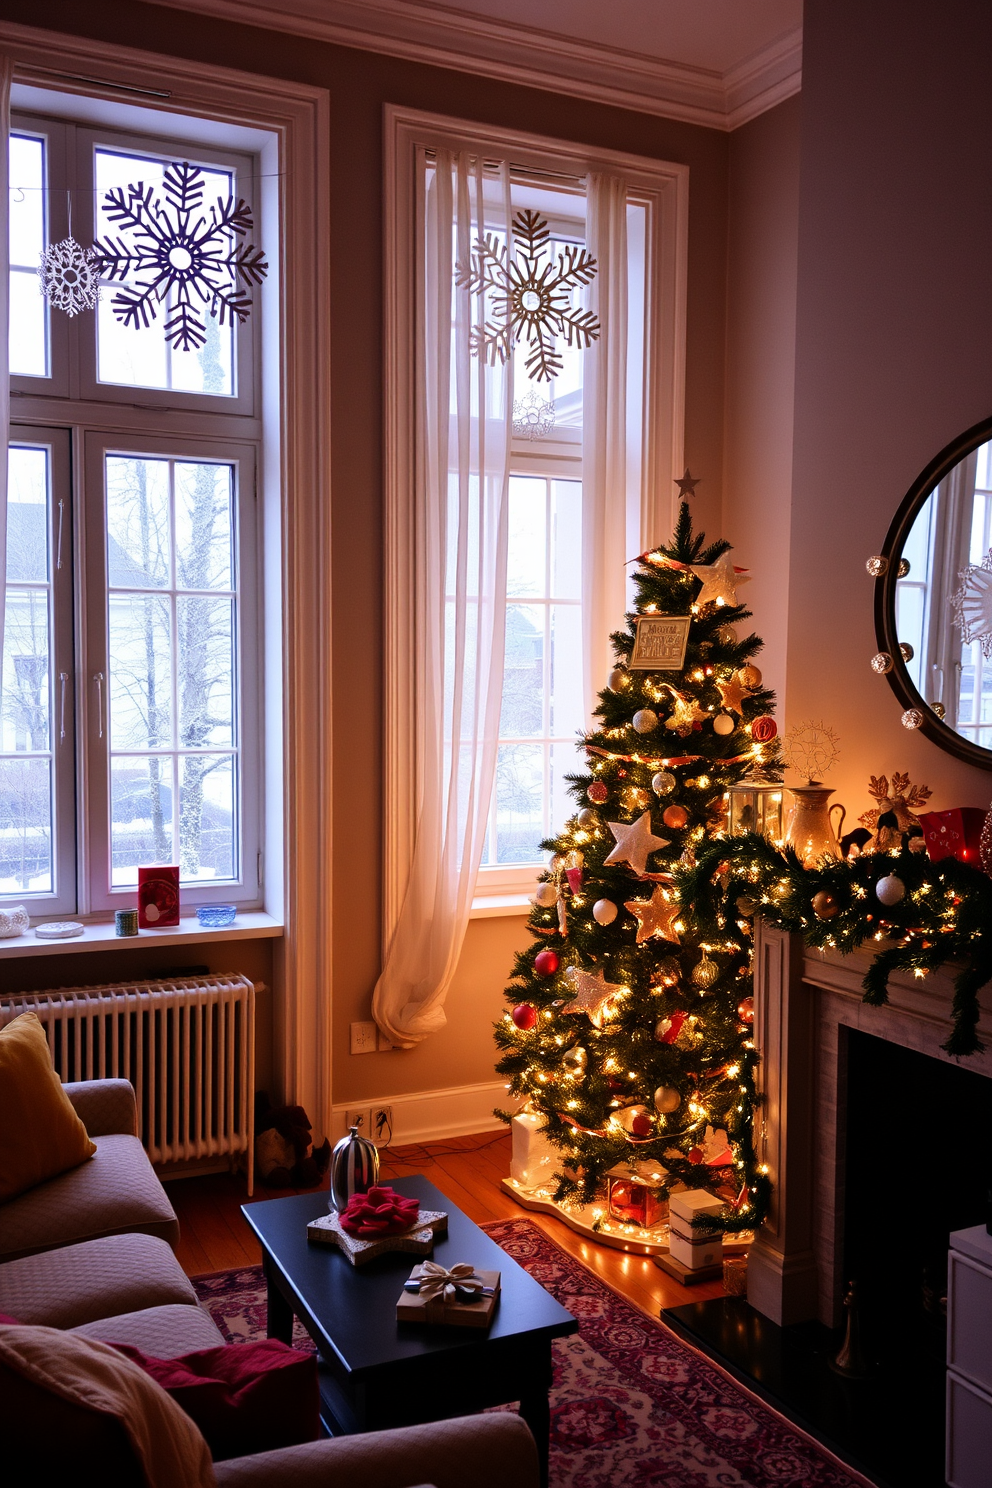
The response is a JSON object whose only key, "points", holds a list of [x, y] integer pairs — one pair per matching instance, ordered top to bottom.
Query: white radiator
{"points": [[187, 1046]]}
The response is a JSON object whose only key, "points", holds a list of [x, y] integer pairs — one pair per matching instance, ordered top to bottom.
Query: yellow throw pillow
{"points": [[40, 1133]]}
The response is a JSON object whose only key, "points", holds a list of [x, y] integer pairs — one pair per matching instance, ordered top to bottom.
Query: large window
{"points": [[130, 726]]}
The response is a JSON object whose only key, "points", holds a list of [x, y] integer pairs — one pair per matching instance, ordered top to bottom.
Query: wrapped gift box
{"points": [[954, 834], [534, 1159], [637, 1194], [690, 1246], [696, 1253], [457, 1311]]}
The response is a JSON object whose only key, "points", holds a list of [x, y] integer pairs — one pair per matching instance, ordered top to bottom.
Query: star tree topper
{"points": [[189, 258], [531, 296], [687, 485], [721, 581], [635, 841], [655, 916], [592, 993]]}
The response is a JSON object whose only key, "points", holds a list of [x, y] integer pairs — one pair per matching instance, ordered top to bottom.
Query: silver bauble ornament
{"points": [[727, 635], [882, 663], [617, 680], [912, 718], [645, 720], [723, 724], [663, 782], [586, 817], [890, 890], [546, 894], [604, 911], [576, 1060], [666, 1099], [354, 1168]]}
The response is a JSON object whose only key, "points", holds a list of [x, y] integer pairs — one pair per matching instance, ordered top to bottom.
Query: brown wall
{"points": [[358, 84], [763, 230], [892, 360]]}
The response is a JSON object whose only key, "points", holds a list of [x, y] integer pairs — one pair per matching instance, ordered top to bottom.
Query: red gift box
{"points": [[954, 834], [158, 897]]}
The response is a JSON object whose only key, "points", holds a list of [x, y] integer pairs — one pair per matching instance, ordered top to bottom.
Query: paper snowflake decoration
{"points": [[179, 254], [69, 277], [530, 296], [533, 416], [972, 604], [811, 748]]}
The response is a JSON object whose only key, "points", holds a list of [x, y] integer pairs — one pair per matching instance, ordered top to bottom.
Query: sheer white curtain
{"points": [[6, 70], [464, 411], [604, 426]]}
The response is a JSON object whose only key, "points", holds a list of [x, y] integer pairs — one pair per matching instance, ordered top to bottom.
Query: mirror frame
{"points": [[898, 678]]}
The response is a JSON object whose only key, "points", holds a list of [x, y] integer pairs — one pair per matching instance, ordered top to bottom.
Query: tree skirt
{"points": [[632, 1406]]}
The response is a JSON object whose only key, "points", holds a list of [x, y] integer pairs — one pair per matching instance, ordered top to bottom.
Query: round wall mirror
{"points": [[933, 600]]}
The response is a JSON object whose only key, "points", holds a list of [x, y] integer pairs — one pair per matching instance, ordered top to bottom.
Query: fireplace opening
{"points": [[917, 1168]]}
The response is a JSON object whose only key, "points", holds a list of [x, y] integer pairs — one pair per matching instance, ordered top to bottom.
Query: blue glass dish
{"points": [[212, 916]]}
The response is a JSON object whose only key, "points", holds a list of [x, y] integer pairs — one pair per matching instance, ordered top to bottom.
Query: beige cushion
{"points": [[41, 1133], [116, 1192], [97, 1279], [165, 1332], [85, 1373], [486, 1451]]}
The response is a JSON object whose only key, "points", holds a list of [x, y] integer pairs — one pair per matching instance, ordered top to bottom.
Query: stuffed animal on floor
{"points": [[284, 1155]]}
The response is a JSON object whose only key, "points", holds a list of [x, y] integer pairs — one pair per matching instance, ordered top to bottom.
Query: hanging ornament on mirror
{"points": [[179, 255], [529, 296]]}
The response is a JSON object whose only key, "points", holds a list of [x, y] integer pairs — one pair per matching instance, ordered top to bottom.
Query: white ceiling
{"points": [[713, 34], [713, 62]]}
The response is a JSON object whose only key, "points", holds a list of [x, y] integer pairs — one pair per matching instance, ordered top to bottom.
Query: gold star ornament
{"points": [[720, 580], [732, 693], [635, 842], [655, 916], [592, 993]]}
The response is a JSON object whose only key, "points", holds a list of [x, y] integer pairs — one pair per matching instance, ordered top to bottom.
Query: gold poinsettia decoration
{"points": [[899, 798]]}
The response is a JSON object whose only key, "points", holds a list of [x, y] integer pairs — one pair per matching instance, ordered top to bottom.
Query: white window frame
{"points": [[293, 122], [663, 188]]}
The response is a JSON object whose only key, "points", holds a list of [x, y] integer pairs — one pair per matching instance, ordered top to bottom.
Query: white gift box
{"points": [[533, 1159], [691, 1204], [694, 1254]]}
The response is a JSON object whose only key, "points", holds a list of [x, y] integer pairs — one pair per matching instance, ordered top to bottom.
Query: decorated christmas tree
{"points": [[629, 1023]]}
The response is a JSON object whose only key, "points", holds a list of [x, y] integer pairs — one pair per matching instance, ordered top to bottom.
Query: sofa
{"points": [[90, 1253]]}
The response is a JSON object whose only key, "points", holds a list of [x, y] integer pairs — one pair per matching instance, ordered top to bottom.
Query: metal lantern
{"points": [[756, 806], [354, 1168]]}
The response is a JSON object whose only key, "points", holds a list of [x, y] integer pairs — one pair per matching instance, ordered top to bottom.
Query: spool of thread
{"points": [[126, 922]]}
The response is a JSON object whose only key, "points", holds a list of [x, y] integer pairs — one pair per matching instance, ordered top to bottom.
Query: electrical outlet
{"points": [[363, 1038], [361, 1117], [381, 1125]]}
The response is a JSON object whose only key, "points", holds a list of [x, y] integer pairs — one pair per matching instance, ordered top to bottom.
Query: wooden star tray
{"points": [[418, 1240]]}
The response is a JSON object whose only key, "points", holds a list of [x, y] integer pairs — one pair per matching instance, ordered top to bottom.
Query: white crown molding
{"points": [[421, 31]]}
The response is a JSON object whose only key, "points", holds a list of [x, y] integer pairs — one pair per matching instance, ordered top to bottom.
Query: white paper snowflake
{"points": [[184, 253], [69, 277], [530, 296], [533, 416], [972, 604], [811, 748]]}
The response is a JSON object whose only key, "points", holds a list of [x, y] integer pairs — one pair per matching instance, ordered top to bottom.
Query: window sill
{"points": [[489, 906], [100, 936]]}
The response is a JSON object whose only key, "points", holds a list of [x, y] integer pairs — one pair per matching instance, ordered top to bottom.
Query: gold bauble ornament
{"points": [[877, 566], [882, 663], [750, 676], [617, 680], [938, 710], [912, 718], [723, 724], [587, 817], [825, 906], [705, 973], [666, 1100]]}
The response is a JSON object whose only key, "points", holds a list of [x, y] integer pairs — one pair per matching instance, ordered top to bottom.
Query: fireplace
{"points": [[810, 1021]]}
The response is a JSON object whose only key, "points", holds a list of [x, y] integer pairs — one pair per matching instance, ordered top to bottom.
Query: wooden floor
{"points": [[215, 1236]]}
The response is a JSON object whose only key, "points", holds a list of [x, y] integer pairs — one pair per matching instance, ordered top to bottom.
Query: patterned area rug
{"points": [[632, 1405]]}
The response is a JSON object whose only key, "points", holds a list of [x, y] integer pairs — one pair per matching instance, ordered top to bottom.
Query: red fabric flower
{"points": [[381, 1211]]}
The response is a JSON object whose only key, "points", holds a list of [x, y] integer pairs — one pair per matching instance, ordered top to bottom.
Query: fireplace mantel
{"points": [[804, 1002]]}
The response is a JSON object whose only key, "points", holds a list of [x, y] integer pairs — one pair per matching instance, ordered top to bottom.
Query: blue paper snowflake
{"points": [[180, 254]]}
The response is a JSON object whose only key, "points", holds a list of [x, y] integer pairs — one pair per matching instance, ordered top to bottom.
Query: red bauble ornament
{"points": [[764, 729], [597, 792], [675, 817], [546, 963], [745, 1010], [524, 1014], [667, 1029], [641, 1125], [695, 1155]]}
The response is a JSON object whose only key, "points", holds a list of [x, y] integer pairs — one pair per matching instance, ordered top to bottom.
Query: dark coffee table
{"points": [[376, 1372]]}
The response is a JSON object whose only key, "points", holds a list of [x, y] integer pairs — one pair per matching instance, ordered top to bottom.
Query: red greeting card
{"points": [[158, 897]]}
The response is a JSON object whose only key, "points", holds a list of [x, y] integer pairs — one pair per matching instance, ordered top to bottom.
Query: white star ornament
{"points": [[721, 582], [635, 842], [592, 993]]}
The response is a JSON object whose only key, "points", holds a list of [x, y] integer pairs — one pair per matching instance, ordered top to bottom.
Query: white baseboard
{"points": [[433, 1115]]}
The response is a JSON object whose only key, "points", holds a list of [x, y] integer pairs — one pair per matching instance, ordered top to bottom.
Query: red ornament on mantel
{"points": [[954, 834]]}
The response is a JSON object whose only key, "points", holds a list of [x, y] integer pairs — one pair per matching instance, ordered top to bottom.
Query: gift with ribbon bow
{"points": [[380, 1211], [459, 1295]]}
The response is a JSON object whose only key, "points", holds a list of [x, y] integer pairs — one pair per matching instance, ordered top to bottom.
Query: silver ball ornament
{"points": [[617, 680], [645, 720], [663, 782], [586, 817], [890, 890], [546, 894], [604, 911], [666, 1100]]}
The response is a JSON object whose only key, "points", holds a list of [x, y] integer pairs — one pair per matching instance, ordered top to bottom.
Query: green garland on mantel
{"points": [[944, 915]]}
